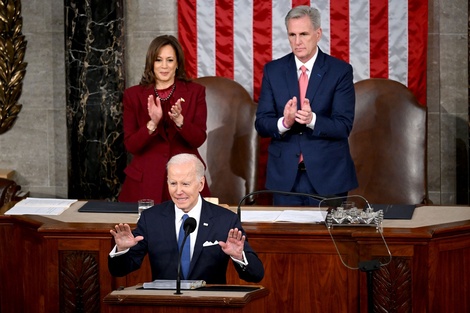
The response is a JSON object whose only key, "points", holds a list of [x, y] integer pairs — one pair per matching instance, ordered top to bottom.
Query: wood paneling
{"points": [[60, 267]]}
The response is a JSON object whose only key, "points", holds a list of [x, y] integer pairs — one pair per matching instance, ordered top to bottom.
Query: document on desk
{"points": [[40, 206], [292, 216], [171, 284]]}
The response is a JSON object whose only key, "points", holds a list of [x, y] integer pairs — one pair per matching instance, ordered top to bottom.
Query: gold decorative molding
{"points": [[12, 67]]}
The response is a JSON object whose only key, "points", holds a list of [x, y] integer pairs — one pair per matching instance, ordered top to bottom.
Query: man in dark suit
{"points": [[309, 149], [217, 239]]}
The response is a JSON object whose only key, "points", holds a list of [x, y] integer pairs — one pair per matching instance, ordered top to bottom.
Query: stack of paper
{"points": [[40, 206], [292, 216], [171, 284]]}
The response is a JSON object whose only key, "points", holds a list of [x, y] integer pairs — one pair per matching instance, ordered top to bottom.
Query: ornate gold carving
{"points": [[12, 67]]}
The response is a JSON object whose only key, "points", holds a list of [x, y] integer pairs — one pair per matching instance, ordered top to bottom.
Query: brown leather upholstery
{"points": [[388, 143], [231, 149], [8, 190]]}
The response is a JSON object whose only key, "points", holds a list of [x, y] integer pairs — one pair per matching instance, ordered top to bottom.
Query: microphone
{"points": [[313, 196], [189, 226]]}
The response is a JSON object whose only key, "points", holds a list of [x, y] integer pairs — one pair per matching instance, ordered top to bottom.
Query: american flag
{"points": [[235, 38]]}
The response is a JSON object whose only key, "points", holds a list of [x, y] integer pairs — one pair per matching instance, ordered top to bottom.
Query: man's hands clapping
{"points": [[302, 116]]}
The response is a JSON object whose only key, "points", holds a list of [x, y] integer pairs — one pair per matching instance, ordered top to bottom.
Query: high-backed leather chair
{"points": [[388, 143], [231, 148], [8, 190]]}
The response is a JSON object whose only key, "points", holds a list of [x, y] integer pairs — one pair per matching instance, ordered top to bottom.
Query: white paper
{"points": [[40, 206], [259, 216], [293, 216], [296, 216], [171, 284]]}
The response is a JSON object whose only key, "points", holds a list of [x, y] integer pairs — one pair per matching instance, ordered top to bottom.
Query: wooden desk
{"points": [[59, 264], [132, 299]]}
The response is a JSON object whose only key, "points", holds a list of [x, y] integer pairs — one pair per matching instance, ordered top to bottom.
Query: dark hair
{"points": [[148, 77]]}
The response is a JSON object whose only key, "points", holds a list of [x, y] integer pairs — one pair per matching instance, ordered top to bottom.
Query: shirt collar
{"points": [[309, 64], [195, 212]]}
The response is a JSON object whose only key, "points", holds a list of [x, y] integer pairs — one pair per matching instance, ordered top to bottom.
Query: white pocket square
{"points": [[208, 243]]}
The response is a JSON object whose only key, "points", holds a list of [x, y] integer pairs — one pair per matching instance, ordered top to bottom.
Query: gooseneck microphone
{"points": [[189, 226]]}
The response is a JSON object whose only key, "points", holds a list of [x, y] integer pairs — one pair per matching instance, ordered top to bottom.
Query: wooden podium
{"points": [[59, 264], [212, 298]]}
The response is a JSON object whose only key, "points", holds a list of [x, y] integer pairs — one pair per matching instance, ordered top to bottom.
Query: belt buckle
{"points": [[301, 166]]}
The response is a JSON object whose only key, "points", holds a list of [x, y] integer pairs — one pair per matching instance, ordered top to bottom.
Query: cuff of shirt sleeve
{"points": [[312, 123], [280, 126], [113, 252], [242, 263]]}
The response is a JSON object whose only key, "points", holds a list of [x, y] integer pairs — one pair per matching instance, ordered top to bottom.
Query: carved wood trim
{"points": [[79, 281], [393, 287]]}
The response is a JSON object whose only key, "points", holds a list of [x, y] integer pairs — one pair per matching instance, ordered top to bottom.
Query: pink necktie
{"points": [[303, 83]]}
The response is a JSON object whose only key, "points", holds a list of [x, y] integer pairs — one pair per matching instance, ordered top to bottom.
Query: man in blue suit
{"points": [[309, 149], [217, 238]]}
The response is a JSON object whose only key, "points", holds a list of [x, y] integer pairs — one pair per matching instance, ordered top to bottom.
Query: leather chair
{"points": [[388, 143], [231, 149], [8, 191]]}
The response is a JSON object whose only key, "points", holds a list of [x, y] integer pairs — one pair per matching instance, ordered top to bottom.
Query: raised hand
{"points": [[154, 109], [175, 113], [123, 237], [234, 244]]}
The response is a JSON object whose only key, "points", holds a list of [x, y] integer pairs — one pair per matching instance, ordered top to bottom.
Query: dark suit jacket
{"points": [[325, 148], [146, 173], [157, 225]]}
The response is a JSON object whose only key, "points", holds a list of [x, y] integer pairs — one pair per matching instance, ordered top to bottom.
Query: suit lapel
{"points": [[318, 71], [291, 77], [146, 92], [205, 226], [169, 227]]}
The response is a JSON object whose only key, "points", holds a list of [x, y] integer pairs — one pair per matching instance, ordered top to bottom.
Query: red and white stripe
{"points": [[235, 38]]}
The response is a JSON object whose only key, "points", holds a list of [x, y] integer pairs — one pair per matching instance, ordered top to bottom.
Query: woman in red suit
{"points": [[163, 116]]}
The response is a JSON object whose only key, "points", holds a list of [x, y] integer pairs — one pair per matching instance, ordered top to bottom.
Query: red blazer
{"points": [[146, 173]]}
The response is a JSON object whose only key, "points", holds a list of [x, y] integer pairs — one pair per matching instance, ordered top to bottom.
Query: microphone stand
{"points": [[368, 266], [178, 277]]}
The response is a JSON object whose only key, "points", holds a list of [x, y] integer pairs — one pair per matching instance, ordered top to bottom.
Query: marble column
{"points": [[94, 46]]}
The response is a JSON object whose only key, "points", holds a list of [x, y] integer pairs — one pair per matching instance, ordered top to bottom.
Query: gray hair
{"points": [[303, 10], [184, 158]]}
